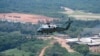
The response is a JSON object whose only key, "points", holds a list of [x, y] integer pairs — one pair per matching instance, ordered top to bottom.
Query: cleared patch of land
{"points": [[81, 15], [20, 17], [64, 44], [43, 51]]}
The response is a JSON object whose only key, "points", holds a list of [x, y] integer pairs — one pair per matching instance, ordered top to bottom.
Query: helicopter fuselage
{"points": [[49, 28]]}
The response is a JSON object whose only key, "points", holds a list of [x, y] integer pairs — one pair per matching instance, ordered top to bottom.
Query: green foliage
{"points": [[48, 7], [78, 26], [23, 28], [11, 37], [11, 40], [33, 46], [30, 48], [83, 49], [57, 50], [16, 52], [1, 54], [94, 54]]}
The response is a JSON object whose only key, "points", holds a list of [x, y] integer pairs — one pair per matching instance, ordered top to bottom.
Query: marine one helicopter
{"points": [[50, 28]]}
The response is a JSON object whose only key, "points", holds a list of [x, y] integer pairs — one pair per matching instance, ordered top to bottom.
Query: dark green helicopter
{"points": [[50, 28]]}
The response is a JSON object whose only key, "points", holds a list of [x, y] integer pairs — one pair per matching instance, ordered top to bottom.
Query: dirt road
{"points": [[63, 43], [43, 51]]}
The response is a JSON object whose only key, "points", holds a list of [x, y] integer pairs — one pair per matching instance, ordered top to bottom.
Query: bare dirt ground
{"points": [[81, 15], [20, 17], [86, 17], [64, 44], [43, 51]]}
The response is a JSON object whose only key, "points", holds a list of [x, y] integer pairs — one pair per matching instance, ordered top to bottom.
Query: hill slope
{"points": [[50, 6]]}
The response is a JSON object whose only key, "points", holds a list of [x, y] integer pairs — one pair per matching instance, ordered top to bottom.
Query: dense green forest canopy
{"points": [[48, 7], [76, 27], [27, 28], [13, 35], [11, 40], [17, 44]]}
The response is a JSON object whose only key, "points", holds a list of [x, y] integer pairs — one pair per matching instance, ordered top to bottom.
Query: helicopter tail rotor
{"points": [[69, 21]]}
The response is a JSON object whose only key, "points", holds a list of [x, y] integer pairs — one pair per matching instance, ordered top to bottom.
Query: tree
{"points": [[83, 49]]}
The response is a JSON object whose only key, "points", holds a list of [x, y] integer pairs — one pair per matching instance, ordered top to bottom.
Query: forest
{"points": [[48, 7], [76, 28], [18, 39]]}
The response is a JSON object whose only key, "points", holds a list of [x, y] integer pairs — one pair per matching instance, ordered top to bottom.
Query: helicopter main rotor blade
{"points": [[48, 23]]}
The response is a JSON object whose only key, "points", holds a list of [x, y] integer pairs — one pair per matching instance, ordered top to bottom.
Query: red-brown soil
{"points": [[21, 17]]}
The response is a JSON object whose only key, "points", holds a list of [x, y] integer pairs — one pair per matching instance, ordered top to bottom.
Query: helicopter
{"points": [[50, 28]]}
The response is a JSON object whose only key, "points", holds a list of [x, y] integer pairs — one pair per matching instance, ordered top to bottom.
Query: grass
{"points": [[29, 48], [16, 52], [75, 54]]}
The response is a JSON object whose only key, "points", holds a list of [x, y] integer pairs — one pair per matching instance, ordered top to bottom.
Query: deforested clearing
{"points": [[24, 18]]}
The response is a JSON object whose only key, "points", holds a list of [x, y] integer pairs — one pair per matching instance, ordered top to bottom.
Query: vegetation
{"points": [[49, 7], [78, 26], [27, 28], [20, 38], [17, 39], [11, 40], [30, 48], [83, 49], [57, 50], [15, 52], [94, 54]]}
